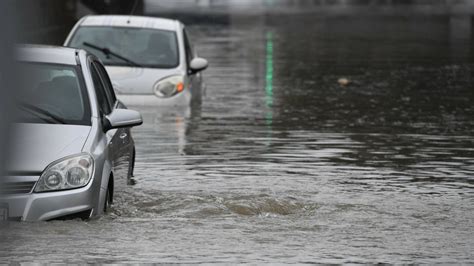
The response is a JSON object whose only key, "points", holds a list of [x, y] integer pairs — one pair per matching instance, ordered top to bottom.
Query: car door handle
{"points": [[123, 135]]}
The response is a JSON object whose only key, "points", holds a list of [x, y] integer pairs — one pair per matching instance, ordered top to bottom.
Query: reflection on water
{"points": [[282, 164]]}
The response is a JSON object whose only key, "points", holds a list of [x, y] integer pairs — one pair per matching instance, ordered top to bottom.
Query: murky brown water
{"points": [[282, 164]]}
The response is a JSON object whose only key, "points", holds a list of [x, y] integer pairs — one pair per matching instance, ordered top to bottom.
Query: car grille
{"points": [[8, 188]]}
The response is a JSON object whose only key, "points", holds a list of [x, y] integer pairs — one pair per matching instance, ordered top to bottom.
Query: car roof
{"points": [[131, 21], [47, 54]]}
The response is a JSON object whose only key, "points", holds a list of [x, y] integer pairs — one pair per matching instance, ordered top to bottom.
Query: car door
{"points": [[195, 79], [105, 108], [122, 144]]}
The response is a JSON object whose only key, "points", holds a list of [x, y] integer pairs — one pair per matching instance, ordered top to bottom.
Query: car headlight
{"points": [[169, 86], [68, 173]]}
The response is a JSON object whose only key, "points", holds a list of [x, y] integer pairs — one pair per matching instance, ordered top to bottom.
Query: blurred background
{"points": [[8, 20], [48, 21]]}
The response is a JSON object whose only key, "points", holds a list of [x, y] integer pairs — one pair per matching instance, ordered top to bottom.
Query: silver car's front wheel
{"points": [[108, 198]]}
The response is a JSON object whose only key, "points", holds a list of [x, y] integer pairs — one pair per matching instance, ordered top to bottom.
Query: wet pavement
{"points": [[281, 163]]}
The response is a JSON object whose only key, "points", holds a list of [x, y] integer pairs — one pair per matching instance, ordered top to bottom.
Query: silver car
{"points": [[150, 60], [71, 140]]}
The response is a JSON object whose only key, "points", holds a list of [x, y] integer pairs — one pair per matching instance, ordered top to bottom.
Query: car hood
{"points": [[136, 80], [35, 146]]}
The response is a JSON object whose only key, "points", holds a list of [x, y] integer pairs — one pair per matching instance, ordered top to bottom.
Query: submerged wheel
{"points": [[132, 164], [131, 168], [108, 197]]}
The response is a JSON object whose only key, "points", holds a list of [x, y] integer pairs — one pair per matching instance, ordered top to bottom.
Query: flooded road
{"points": [[280, 163]]}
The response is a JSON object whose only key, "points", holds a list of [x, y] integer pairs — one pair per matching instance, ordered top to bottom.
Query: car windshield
{"points": [[129, 46], [53, 94]]}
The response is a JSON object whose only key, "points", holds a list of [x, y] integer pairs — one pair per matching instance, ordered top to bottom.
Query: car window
{"points": [[146, 47], [188, 47], [109, 90], [53, 93], [103, 102]]}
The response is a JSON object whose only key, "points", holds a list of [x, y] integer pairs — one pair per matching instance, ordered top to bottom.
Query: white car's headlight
{"points": [[169, 86], [71, 172]]}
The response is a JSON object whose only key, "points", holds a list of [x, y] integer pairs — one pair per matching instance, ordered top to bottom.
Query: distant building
{"points": [[48, 21]]}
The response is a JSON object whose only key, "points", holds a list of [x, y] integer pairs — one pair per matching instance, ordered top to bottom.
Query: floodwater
{"points": [[280, 163]]}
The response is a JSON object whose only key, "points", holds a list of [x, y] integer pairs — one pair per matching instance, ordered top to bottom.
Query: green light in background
{"points": [[269, 2], [269, 70], [269, 78]]}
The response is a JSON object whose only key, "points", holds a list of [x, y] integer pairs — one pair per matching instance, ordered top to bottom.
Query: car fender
{"points": [[105, 177]]}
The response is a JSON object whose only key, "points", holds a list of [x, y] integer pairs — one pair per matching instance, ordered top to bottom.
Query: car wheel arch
{"points": [[106, 177], [109, 192]]}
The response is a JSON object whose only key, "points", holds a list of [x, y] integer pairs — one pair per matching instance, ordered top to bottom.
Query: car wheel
{"points": [[132, 163], [131, 168], [108, 200]]}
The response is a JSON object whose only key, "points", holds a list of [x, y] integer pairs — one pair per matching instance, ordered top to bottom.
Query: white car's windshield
{"points": [[129, 46], [53, 94]]}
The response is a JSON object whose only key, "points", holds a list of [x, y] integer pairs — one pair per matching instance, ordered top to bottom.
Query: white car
{"points": [[150, 60]]}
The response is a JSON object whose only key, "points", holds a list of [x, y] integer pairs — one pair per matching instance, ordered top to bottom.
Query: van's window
{"points": [[145, 47], [53, 94]]}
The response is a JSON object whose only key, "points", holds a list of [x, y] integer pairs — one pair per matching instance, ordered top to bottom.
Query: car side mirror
{"points": [[198, 64], [120, 118]]}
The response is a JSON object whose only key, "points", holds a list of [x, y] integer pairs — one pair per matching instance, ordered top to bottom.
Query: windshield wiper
{"points": [[108, 52], [38, 111]]}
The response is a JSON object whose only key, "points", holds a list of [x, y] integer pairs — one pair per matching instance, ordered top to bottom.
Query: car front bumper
{"points": [[181, 99], [49, 205]]}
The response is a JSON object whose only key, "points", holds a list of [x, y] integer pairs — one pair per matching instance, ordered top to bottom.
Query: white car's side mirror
{"points": [[198, 64], [120, 118]]}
